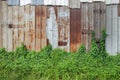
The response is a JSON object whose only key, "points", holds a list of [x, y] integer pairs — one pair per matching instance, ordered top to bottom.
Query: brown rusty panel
{"points": [[119, 10], [15, 25], [21, 25], [27, 25], [43, 26], [38, 27], [78, 27], [32, 28], [71, 29], [75, 29]]}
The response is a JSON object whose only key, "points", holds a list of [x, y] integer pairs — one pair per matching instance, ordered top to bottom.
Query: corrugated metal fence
{"points": [[60, 26]]}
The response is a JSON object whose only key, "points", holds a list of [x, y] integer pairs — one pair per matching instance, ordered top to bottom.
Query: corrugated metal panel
{"points": [[91, 0], [112, 1], [13, 2], [25, 2], [37, 2], [56, 2], [74, 3], [40, 16], [99, 18], [63, 21], [10, 22], [87, 23], [0, 24], [4, 24], [58, 24], [21, 25], [15, 26], [52, 27], [32, 28], [114, 28], [118, 28], [75, 29], [109, 29], [112, 40]]}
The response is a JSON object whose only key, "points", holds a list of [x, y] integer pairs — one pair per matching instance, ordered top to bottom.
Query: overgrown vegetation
{"points": [[49, 64]]}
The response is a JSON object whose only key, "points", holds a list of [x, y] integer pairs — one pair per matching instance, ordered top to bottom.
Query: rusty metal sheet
{"points": [[118, 10], [63, 19], [21, 25], [15, 26], [27, 26], [38, 26], [32, 28], [43, 28], [75, 29]]}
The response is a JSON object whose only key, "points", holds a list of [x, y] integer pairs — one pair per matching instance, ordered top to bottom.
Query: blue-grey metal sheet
{"points": [[13, 2], [37, 2]]}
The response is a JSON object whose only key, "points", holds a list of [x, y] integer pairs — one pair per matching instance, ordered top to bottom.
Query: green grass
{"points": [[56, 64]]}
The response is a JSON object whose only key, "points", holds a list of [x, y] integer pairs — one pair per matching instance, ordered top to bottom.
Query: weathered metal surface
{"points": [[91, 0], [112, 1], [13, 2], [25, 2], [37, 2], [56, 2], [74, 3], [97, 14], [40, 16], [99, 18], [63, 21], [10, 22], [58, 23], [87, 23], [0, 24], [4, 24], [21, 25], [15, 26], [52, 27], [32, 28], [114, 28], [75, 29], [109, 29], [43, 30], [113, 38]]}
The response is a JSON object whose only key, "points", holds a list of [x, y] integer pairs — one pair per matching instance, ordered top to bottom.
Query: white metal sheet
{"points": [[112, 1], [114, 28], [109, 29]]}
